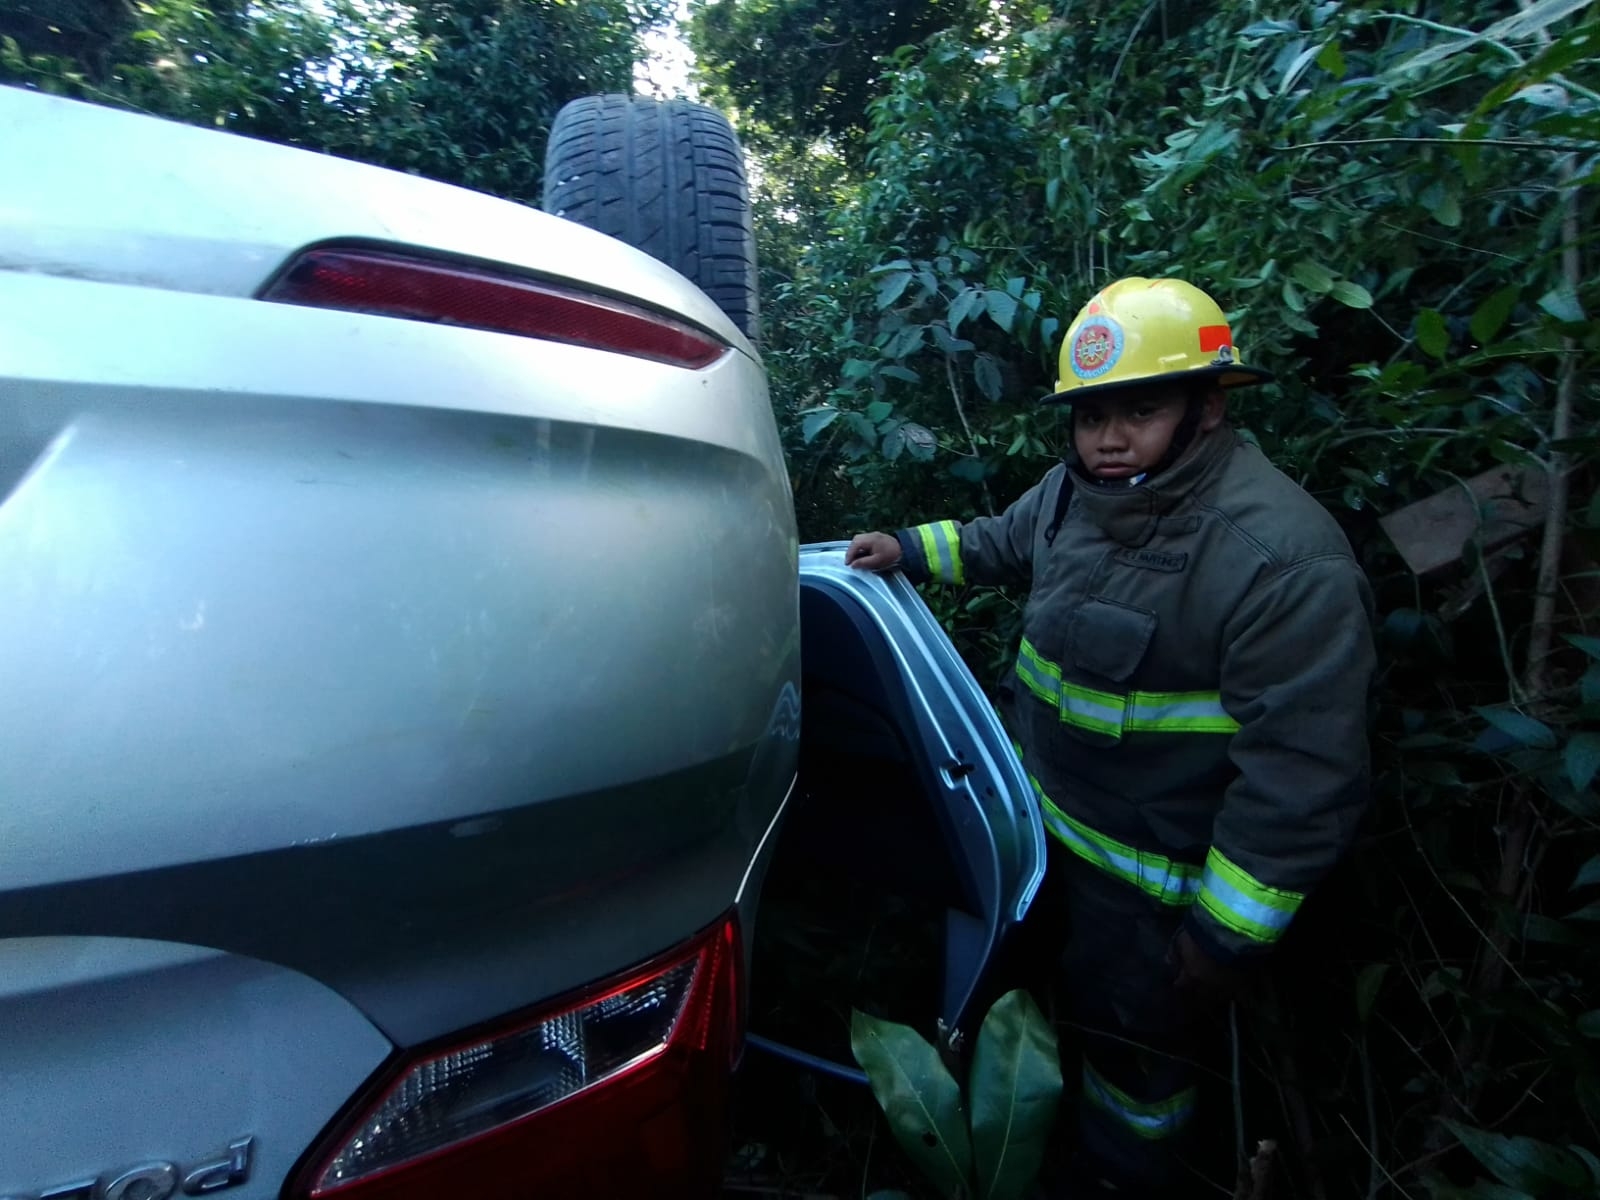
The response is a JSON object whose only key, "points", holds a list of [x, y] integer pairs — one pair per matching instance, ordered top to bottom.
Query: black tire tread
{"points": [[667, 177]]}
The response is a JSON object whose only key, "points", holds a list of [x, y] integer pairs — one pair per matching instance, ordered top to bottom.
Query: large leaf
{"points": [[1314, 277], [892, 287], [1352, 295], [1562, 304], [961, 307], [1002, 308], [1493, 312], [1433, 335], [986, 369], [815, 421], [1589, 645], [1522, 729], [1582, 759], [1588, 875], [1015, 1087], [919, 1098], [1522, 1162]]}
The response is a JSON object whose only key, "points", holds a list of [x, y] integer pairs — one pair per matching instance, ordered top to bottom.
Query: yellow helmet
{"points": [[1136, 331]]}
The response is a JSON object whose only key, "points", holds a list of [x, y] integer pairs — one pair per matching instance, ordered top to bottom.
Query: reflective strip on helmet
{"points": [[941, 545], [1179, 712], [1110, 714], [1155, 875], [1242, 903], [1151, 1121]]}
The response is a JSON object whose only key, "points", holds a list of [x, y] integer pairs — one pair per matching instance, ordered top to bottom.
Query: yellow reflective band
{"points": [[941, 546], [1179, 712], [1113, 715], [1155, 875], [1241, 902], [1151, 1121]]}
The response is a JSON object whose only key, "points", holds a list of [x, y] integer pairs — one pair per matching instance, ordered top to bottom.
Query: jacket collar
{"points": [[1130, 515]]}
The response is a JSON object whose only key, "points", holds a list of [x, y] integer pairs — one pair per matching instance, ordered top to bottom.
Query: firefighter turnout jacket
{"points": [[1190, 695]]}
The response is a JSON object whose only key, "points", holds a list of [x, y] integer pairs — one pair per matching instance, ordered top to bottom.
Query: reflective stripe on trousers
{"points": [[1113, 714], [1148, 1120]]}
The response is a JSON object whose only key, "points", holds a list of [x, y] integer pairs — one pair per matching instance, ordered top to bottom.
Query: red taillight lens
{"points": [[416, 289], [619, 1091]]}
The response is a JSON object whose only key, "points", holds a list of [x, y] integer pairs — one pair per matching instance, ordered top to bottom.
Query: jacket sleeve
{"points": [[983, 550], [1297, 664]]}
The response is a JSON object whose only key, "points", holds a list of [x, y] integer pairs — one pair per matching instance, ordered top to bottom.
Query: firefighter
{"points": [[1189, 700]]}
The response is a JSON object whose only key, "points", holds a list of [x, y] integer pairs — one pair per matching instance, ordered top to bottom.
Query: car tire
{"points": [[666, 177]]}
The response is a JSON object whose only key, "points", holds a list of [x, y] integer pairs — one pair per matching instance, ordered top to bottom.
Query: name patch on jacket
{"points": [[1154, 560]]}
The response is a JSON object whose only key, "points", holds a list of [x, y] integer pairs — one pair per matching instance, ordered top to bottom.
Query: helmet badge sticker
{"points": [[1097, 347]]}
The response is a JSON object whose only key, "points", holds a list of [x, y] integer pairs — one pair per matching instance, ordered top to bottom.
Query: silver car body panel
{"points": [[445, 667], [120, 1054]]}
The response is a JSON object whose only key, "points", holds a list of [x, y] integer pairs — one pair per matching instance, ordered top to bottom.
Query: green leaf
{"points": [[1331, 60], [1448, 210], [1312, 276], [892, 287], [1353, 295], [1562, 304], [961, 307], [1001, 308], [1491, 316], [1433, 335], [947, 343], [986, 369], [902, 373], [878, 410], [815, 422], [919, 441], [970, 469], [1589, 645], [1522, 729], [1582, 759], [1588, 875], [1589, 912], [1368, 982], [1589, 1024], [1015, 1087], [919, 1098], [1522, 1162]]}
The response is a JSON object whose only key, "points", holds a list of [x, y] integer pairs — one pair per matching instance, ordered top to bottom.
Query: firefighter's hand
{"points": [[873, 552], [1201, 979]]}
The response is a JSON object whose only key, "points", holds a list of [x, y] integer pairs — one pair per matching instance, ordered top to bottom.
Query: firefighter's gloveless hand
{"points": [[873, 552], [1201, 979]]}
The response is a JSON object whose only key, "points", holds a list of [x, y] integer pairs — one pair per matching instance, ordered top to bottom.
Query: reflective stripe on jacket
{"points": [[1190, 692]]}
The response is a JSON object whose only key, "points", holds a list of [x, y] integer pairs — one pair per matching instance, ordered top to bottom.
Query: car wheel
{"points": [[667, 177]]}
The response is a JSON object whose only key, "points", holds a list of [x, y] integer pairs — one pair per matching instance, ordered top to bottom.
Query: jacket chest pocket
{"points": [[1108, 638]]}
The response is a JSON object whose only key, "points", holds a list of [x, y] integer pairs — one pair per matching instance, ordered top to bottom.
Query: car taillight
{"points": [[419, 289], [621, 1090]]}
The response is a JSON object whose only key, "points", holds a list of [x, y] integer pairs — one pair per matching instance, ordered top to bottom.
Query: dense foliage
{"points": [[804, 69], [462, 91], [1395, 202], [1396, 206]]}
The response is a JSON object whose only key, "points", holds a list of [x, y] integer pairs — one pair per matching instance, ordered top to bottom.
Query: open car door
{"points": [[913, 844]]}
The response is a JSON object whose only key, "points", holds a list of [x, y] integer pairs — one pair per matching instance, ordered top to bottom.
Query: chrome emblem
{"points": [[157, 1180]]}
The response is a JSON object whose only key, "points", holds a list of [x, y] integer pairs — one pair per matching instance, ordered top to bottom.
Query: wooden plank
{"points": [[1498, 505]]}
